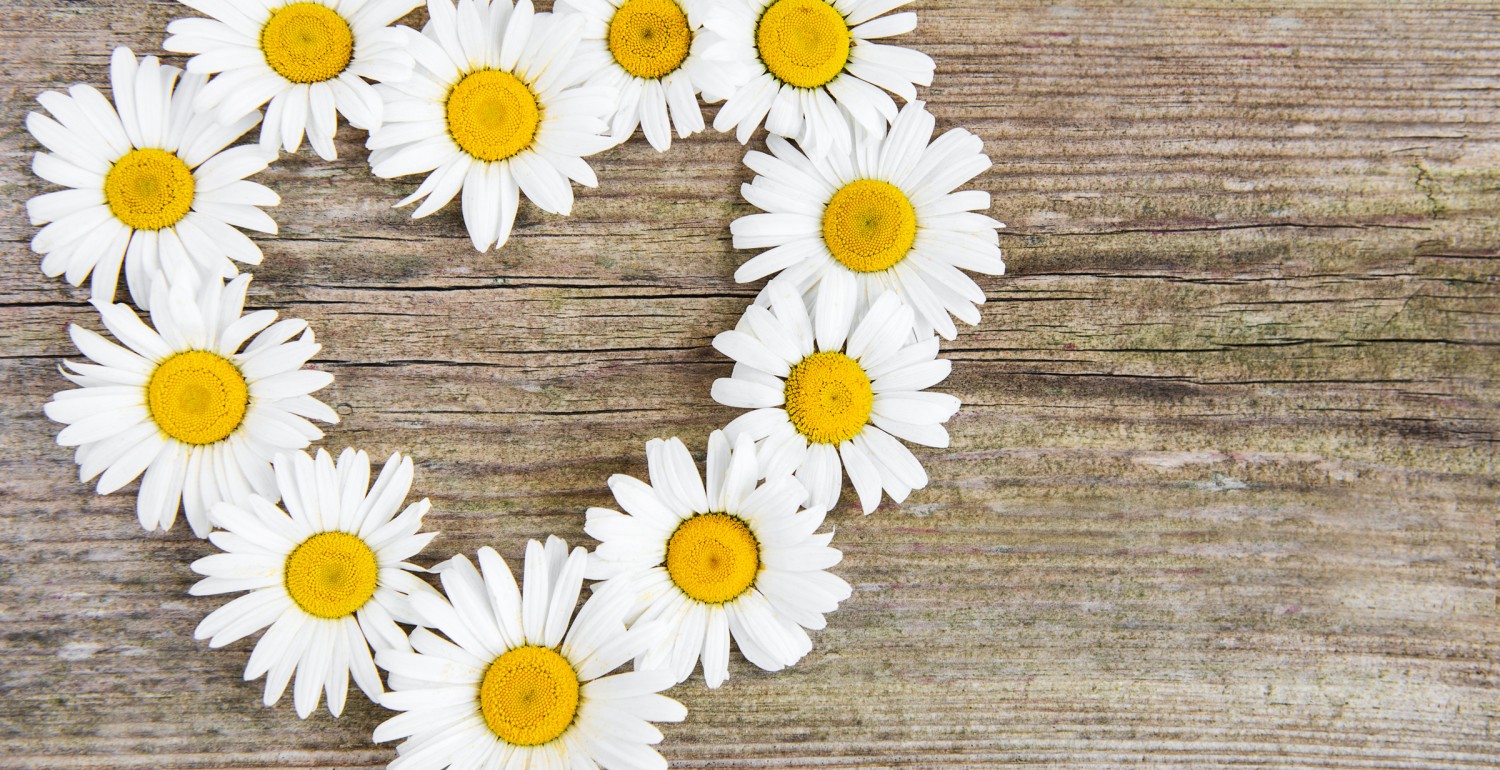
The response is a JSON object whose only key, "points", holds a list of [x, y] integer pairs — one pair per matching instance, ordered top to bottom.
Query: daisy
{"points": [[651, 53], [308, 58], [814, 67], [493, 109], [151, 183], [884, 217], [827, 400], [188, 403], [733, 560], [328, 575], [519, 682]]}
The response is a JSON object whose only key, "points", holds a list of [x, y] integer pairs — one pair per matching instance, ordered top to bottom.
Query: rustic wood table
{"points": [[1222, 493]]}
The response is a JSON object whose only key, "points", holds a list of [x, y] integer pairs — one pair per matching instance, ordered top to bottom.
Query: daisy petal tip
{"points": [[385, 658], [383, 732]]}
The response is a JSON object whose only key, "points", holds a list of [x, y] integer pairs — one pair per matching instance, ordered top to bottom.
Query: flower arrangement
{"points": [[864, 233]]}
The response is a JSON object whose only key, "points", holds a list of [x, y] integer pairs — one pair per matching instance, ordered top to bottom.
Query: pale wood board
{"points": [[1222, 493]]}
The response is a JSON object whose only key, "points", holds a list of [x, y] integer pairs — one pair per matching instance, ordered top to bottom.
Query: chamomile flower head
{"points": [[651, 53], [311, 59], [817, 73], [494, 109], [151, 186], [884, 217], [828, 400], [194, 403], [733, 560], [326, 575], [519, 681]]}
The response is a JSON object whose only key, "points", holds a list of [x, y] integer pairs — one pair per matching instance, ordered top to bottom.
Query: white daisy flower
{"points": [[651, 53], [308, 58], [815, 67], [493, 109], [152, 186], [882, 218], [827, 400], [189, 403], [735, 560], [328, 575], [515, 684]]}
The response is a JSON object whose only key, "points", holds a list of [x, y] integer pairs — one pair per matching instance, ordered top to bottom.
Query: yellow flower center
{"points": [[650, 38], [307, 42], [804, 43], [492, 115], [149, 189], [869, 225], [197, 397], [828, 397], [713, 557], [331, 574], [529, 696]]}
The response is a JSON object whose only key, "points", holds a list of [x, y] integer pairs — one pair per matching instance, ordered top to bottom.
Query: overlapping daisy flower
{"points": [[651, 53], [309, 58], [815, 68], [494, 109], [151, 185], [884, 217], [827, 400], [200, 403], [734, 560], [327, 577], [519, 682]]}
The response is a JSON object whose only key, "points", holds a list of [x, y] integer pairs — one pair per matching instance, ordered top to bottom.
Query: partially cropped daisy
{"points": [[650, 52], [309, 58], [815, 67], [494, 110], [152, 186], [882, 218], [827, 400], [195, 403], [733, 560], [327, 575], [520, 682]]}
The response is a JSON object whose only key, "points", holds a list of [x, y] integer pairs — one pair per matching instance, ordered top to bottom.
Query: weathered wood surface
{"points": [[1222, 494]]}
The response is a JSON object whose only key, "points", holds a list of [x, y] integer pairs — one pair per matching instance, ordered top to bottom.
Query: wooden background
{"points": [[1222, 493]]}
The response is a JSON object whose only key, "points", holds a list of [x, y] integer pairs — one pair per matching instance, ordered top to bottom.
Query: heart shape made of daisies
{"points": [[863, 232]]}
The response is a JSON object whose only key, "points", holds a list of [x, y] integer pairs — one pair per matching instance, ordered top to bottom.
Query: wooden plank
{"points": [[1222, 494]]}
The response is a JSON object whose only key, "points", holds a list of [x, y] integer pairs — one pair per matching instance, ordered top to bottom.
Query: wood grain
{"points": [[1222, 494]]}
